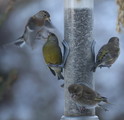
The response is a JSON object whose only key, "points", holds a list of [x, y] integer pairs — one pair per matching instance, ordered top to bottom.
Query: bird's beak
{"points": [[48, 18]]}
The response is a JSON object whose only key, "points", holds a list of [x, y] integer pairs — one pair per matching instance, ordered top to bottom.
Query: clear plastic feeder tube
{"points": [[78, 4], [78, 28]]}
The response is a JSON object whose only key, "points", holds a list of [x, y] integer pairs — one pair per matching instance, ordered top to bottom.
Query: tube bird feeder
{"points": [[78, 32]]}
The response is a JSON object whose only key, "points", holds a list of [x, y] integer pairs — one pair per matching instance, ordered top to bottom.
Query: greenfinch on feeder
{"points": [[35, 24], [108, 54], [52, 55], [85, 96]]}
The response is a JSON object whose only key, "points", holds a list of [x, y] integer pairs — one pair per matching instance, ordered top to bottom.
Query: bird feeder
{"points": [[78, 32]]}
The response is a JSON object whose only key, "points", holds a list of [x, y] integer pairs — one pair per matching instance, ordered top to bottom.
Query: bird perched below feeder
{"points": [[35, 24], [108, 54], [52, 55], [85, 96]]}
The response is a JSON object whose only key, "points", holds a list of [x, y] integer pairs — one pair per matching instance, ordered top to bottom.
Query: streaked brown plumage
{"points": [[35, 24], [108, 54], [85, 96]]}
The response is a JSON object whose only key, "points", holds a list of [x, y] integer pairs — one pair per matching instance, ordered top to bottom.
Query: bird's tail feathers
{"points": [[19, 42], [57, 72], [60, 76], [104, 99]]}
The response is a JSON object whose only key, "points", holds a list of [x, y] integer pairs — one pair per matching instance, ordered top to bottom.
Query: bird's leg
{"points": [[93, 50], [65, 55], [54, 65], [101, 66], [105, 66], [109, 66], [102, 107], [78, 108], [81, 109]]}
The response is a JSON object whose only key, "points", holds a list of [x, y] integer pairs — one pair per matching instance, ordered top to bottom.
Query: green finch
{"points": [[35, 24], [66, 51], [108, 54], [52, 55], [85, 96]]}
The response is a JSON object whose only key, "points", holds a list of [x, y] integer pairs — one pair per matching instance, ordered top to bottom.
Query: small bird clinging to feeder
{"points": [[108, 54], [52, 55], [85, 96]]}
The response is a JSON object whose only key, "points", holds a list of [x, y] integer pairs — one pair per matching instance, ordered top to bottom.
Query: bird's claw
{"points": [[93, 50], [66, 51], [55, 65], [105, 66], [82, 109]]}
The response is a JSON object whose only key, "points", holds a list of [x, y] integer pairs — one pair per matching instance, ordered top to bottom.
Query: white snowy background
{"points": [[37, 94]]}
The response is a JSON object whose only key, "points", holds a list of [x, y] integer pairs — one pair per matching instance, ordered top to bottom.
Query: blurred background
{"points": [[34, 93]]}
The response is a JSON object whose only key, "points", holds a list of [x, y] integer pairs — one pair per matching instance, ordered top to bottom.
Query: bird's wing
{"points": [[31, 23], [28, 29], [115, 51], [102, 52], [52, 54], [103, 55], [88, 93]]}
